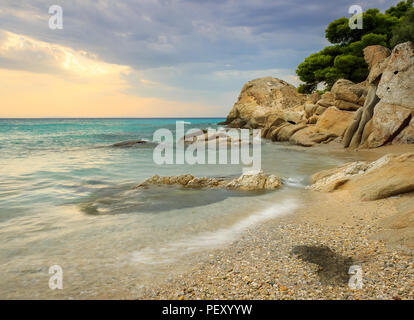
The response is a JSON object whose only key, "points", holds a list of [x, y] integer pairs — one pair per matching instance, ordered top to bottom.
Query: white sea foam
{"points": [[294, 181], [214, 239]]}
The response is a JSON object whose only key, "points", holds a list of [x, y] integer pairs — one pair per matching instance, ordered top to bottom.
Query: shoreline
{"points": [[331, 234], [306, 254]]}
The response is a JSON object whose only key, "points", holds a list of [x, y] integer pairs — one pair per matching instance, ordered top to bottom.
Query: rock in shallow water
{"points": [[129, 143], [255, 180]]}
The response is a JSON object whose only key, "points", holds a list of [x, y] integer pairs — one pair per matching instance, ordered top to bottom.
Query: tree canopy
{"points": [[405, 30], [345, 57]]}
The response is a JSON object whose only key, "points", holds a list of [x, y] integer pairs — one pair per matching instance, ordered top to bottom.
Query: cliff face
{"points": [[369, 114], [386, 117]]}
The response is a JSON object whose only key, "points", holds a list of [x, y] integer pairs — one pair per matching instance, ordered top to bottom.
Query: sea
{"points": [[68, 202]]}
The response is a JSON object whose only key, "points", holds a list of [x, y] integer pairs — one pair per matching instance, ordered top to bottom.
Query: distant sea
{"points": [[67, 199]]}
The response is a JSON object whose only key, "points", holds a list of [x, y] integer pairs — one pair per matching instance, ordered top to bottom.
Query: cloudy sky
{"points": [[153, 58]]}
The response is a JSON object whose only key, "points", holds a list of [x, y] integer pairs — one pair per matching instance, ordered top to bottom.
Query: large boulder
{"points": [[375, 54], [376, 58], [376, 71], [397, 82], [348, 95], [262, 97], [327, 100], [334, 121], [388, 121], [287, 131], [310, 136], [388, 176], [393, 177], [331, 179], [255, 181]]}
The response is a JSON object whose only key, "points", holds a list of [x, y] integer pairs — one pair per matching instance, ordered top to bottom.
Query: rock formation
{"points": [[260, 98], [389, 106], [369, 114], [284, 115], [388, 176], [248, 181]]}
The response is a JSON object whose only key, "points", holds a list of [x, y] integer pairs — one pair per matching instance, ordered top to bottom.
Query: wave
{"points": [[209, 240]]}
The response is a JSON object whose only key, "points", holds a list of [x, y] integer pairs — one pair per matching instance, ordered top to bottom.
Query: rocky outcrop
{"points": [[375, 54], [376, 58], [397, 81], [345, 95], [348, 95], [260, 98], [389, 106], [368, 114], [284, 115], [387, 122], [355, 131], [389, 176], [255, 180]]}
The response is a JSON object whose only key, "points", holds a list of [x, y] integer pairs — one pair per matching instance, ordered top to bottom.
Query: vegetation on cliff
{"points": [[345, 58]]}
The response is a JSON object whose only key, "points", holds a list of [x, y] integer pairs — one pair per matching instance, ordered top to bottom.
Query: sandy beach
{"points": [[307, 254]]}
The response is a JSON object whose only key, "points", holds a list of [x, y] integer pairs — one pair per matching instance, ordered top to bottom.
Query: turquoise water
{"points": [[54, 161], [67, 198]]}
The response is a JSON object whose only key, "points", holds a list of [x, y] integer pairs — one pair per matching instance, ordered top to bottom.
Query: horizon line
{"points": [[21, 118]]}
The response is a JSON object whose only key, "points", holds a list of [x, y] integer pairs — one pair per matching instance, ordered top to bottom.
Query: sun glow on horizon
{"points": [[49, 80]]}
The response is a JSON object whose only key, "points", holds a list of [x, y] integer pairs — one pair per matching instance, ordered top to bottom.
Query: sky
{"points": [[153, 58]]}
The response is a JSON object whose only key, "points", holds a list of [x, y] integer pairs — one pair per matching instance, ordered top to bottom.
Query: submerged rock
{"points": [[129, 143], [255, 180]]}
